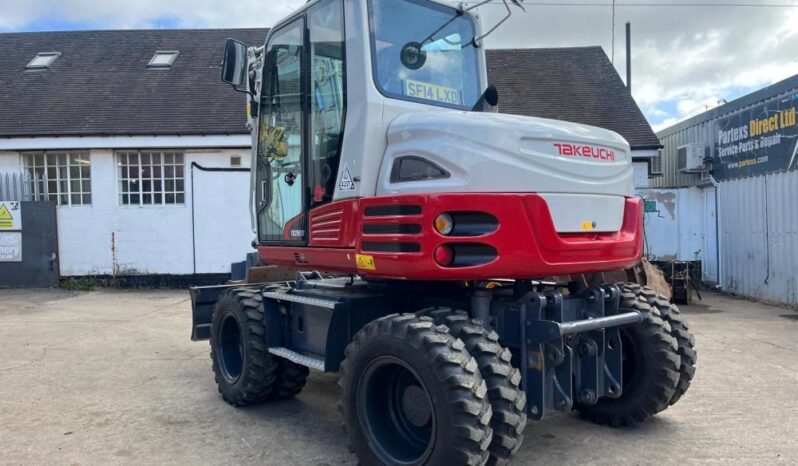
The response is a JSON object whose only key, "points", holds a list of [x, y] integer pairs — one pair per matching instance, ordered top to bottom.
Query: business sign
{"points": [[760, 140], [10, 216], [11, 246]]}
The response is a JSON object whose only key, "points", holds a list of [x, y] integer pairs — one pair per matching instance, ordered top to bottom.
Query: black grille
{"points": [[389, 210], [391, 228], [375, 246]]}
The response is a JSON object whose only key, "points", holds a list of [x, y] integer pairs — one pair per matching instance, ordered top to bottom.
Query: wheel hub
{"points": [[231, 349], [416, 406], [395, 411]]}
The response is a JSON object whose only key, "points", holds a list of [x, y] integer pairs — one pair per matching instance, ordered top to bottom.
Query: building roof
{"points": [[577, 84], [100, 85], [781, 87]]}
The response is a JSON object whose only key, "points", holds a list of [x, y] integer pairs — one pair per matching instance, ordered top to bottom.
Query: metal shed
{"points": [[750, 147]]}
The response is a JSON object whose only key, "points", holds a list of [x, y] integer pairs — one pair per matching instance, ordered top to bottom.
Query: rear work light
{"points": [[465, 223], [444, 224]]}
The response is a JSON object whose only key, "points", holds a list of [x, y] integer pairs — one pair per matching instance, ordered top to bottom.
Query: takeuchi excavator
{"points": [[430, 235]]}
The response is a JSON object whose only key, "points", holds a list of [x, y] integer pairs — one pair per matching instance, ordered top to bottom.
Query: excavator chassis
{"points": [[565, 343]]}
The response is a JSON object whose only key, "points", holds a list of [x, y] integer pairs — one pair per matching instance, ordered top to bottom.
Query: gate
{"points": [[28, 235]]}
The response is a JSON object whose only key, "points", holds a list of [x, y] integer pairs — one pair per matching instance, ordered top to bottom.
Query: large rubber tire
{"points": [[679, 330], [651, 368], [245, 371], [290, 379], [412, 394], [507, 399]]}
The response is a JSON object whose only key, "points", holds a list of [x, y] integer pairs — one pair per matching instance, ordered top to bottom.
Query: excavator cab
{"points": [[327, 75], [375, 133]]}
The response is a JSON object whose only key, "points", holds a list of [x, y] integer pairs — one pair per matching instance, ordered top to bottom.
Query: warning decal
{"points": [[346, 184], [10, 216], [365, 262]]}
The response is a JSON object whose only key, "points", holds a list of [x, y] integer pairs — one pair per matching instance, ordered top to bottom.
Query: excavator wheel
{"points": [[679, 330], [651, 365], [245, 371], [290, 379], [413, 395], [507, 399]]}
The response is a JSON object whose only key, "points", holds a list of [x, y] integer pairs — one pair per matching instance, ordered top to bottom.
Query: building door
{"points": [[28, 245], [709, 259]]}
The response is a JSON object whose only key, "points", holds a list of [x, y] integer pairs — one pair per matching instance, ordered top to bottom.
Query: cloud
{"points": [[105, 14], [683, 57]]}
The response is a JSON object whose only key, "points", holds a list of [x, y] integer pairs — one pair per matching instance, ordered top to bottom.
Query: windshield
{"points": [[449, 73]]}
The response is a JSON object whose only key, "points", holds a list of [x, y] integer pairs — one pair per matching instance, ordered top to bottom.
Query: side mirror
{"points": [[234, 65], [489, 101]]}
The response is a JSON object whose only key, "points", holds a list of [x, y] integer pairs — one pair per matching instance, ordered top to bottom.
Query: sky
{"points": [[687, 56]]}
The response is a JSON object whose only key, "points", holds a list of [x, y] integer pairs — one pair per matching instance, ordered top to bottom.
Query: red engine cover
{"points": [[393, 237]]}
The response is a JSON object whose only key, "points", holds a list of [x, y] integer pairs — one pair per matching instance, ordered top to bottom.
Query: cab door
{"points": [[302, 122], [281, 197]]}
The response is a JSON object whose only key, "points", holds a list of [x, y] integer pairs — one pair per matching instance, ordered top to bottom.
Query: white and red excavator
{"points": [[425, 225]]}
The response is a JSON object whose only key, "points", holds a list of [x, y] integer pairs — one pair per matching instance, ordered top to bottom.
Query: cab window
{"points": [[449, 75], [327, 97], [281, 139]]}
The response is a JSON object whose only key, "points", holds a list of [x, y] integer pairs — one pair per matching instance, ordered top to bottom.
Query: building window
{"points": [[163, 59], [42, 60], [656, 163], [63, 177], [151, 178]]}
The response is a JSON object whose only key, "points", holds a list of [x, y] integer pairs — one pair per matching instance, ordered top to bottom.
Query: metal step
{"points": [[280, 296], [297, 358]]}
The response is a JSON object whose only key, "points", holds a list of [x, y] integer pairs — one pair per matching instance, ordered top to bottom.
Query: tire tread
{"points": [[456, 369]]}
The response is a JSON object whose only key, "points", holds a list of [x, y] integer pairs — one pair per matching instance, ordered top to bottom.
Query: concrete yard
{"points": [[111, 377]]}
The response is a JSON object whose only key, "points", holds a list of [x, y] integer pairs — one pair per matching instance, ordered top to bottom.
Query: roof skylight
{"points": [[163, 58], [42, 60]]}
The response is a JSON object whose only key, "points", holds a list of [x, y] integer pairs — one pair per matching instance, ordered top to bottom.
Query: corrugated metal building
{"points": [[742, 155]]}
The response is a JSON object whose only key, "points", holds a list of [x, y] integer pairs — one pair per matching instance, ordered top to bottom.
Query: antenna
{"points": [[629, 56]]}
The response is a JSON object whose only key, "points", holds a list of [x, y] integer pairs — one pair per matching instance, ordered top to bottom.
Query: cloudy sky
{"points": [[687, 55]]}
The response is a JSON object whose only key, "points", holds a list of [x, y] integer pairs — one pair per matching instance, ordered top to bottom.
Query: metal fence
{"points": [[22, 186], [759, 236]]}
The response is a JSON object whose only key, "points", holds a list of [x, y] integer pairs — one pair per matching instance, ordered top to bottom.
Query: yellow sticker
{"points": [[422, 90], [6, 220], [588, 225], [365, 262]]}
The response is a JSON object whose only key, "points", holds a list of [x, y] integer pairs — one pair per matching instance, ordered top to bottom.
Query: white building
{"points": [[124, 125], [146, 152]]}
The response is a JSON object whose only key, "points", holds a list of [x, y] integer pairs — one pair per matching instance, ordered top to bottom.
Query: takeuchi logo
{"points": [[592, 152]]}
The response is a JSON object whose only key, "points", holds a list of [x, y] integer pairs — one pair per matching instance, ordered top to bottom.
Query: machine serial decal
{"points": [[594, 152], [365, 262]]}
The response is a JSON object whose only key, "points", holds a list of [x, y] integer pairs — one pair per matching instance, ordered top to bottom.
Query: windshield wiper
{"points": [[517, 3], [413, 55]]}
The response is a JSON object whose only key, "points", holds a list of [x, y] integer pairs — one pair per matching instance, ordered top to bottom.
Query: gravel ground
{"points": [[111, 377]]}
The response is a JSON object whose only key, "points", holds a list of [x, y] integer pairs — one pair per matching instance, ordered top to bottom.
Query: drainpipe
{"points": [[717, 230]]}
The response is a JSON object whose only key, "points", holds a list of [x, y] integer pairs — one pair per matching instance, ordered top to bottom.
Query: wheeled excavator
{"points": [[424, 227]]}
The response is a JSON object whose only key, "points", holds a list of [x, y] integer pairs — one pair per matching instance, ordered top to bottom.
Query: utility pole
{"points": [[629, 56]]}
